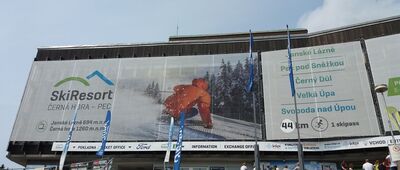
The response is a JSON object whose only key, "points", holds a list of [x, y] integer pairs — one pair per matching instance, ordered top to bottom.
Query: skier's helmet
{"points": [[201, 83]]}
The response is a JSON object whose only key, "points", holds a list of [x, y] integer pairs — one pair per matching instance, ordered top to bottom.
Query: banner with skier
{"points": [[143, 94]]}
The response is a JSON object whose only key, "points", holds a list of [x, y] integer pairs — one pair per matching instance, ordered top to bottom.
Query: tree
{"points": [[223, 88], [227, 89], [148, 90], [153, 90], [238, 93], [157, 94]]}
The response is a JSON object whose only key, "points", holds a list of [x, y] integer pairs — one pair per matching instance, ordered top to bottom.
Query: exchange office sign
{"points": [[332, 91]]}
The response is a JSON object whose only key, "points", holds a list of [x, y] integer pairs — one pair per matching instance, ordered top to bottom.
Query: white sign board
{"points": [[385, 60], [332, 91], [141, 94], [375, 142], [394, 151]]}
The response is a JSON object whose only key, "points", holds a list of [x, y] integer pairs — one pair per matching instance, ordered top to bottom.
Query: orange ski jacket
{"points": [[186, 96]]}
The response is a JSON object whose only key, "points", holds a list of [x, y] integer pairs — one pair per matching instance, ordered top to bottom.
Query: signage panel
{"points": [[384, 58], [332, 91], [142, 94], [374, 142]]}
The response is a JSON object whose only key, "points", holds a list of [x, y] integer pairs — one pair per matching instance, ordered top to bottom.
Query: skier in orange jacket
{"points": [[186, 96]]}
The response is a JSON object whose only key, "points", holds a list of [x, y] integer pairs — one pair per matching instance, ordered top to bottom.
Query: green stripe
{"points": [[83, 81]]}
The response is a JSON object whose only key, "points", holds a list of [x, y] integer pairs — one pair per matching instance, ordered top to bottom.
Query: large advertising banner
{"points": [[384, 58], [332, 91], [142, 94]]}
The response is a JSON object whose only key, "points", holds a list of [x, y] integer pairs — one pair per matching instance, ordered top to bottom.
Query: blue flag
{"points": [[290, 64], [251, 65], [107, 123], [170, 133], [66, 146], [178, 151]]}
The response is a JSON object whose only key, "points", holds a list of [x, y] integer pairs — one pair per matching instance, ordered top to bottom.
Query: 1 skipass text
{"points": [[312, 51], [314, 65], [313, 80], [314, 94], [68, 95], [72, 106], [322, 109], [78, 122], [80, 125], [319, 125], [77, 128], [382, 142], [238, 146], [97, 147]]}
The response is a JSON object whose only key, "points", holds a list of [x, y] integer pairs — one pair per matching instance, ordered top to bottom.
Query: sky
{"points": [[27, 25]]}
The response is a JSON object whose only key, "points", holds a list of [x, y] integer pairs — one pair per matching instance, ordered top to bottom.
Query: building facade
{"points": [[340, 115]]}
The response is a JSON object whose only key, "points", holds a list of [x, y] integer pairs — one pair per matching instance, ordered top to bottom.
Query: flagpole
{"points": [[249, 89], [293, 91], [107, 123], [170, 134], [299, 145], [66, 146], [256, 148], [178, 150]]}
